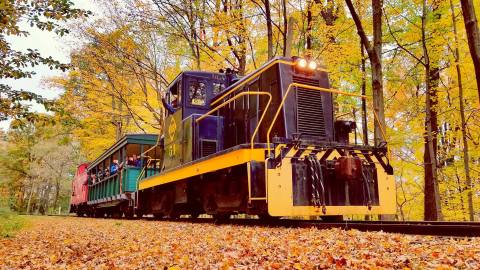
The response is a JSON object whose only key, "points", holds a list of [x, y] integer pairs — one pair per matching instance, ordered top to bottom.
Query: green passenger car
{"points": [[112, 192]]}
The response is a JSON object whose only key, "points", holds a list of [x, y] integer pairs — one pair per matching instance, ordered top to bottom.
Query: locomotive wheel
{"points": [[209, 204], [168, 206], [127, 212], [98, 213], [116, 213], [139, 214], [194, 214], [128, 215], [174, 215], [158, 216], [221, 217], [267, 217], [332, 218]]}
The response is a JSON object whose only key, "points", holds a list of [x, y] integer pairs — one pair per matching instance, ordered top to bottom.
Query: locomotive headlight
{"points": [[302, 63], [312, 65]]}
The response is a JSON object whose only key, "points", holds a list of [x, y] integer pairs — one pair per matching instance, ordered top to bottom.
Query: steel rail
{"points": [[432, 228]]}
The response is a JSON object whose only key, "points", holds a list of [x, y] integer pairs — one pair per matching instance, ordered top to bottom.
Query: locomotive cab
{"points": [[187, 99]]}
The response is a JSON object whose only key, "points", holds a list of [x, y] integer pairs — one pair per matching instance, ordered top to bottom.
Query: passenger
{"points": [[168, 107], [130, 161], [137, 161], [120, 166], [114, 167], [107, 172], [100, 175], [94, 178]]}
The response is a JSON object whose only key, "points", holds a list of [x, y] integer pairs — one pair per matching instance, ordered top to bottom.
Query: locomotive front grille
{"points": [[310, 117], [208, 147]]}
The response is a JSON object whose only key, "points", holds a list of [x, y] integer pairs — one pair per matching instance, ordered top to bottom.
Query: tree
{"points": [[44, 15], [268, 17], [473, 36], [238, 41], [374, 52], [428, 54], [113, 88], [466, 154], [38, 163], [432, 204]]}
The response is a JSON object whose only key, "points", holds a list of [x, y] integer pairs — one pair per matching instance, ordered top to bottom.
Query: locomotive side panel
{"points": [[174, 155]]}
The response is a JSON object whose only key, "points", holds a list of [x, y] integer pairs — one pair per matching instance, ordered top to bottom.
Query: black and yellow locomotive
{"points": [[266, 144]]}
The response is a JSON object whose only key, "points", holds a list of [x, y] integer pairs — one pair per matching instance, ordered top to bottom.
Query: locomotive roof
{"points": [[148, 139]]}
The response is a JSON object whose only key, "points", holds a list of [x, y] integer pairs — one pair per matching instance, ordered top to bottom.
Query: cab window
{"points": [[218, 88], [197, 93], [174, 98]]}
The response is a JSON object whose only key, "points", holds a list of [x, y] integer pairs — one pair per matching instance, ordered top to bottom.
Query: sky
{"points": [[48, 44]]}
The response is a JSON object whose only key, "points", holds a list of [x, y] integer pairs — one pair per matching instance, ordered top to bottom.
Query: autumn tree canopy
{"points": [[47, 15]]}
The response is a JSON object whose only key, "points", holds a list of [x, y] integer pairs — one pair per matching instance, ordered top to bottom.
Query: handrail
{"points": [[256, 74], [253, 76], [309, 87], [225, 103], [379, 125], [151, 148], [142, 172], [105, 179]]}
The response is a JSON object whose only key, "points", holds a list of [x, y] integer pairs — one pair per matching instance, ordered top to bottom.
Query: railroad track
{"points": [[435, 228], [452, 229]]}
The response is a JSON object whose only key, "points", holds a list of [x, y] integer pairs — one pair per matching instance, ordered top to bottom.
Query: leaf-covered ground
{"points": [[82, 243]]}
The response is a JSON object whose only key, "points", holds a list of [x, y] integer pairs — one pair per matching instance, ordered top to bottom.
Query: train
{"points": [[267, 144]]}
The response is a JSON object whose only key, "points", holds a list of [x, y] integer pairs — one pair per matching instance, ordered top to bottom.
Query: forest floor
{"points": [[83, 243]]}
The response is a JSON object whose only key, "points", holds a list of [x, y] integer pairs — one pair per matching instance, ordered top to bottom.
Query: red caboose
{"points": [[78, 201]]}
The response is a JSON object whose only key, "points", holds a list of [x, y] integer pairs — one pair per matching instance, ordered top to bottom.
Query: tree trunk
{"points": [[329, 15], [285, 27], [309, 27], [269, 29], [473, 36], [289, 40], [239, 50], [242, 51], [375, 55], [377, 73], [364, 91], [115, 121], [466, 156], [460, 190], [57, 193], [29, 203], [432, 206]]}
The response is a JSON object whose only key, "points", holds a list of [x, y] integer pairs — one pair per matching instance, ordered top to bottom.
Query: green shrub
{"points": [[10, 222]]}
